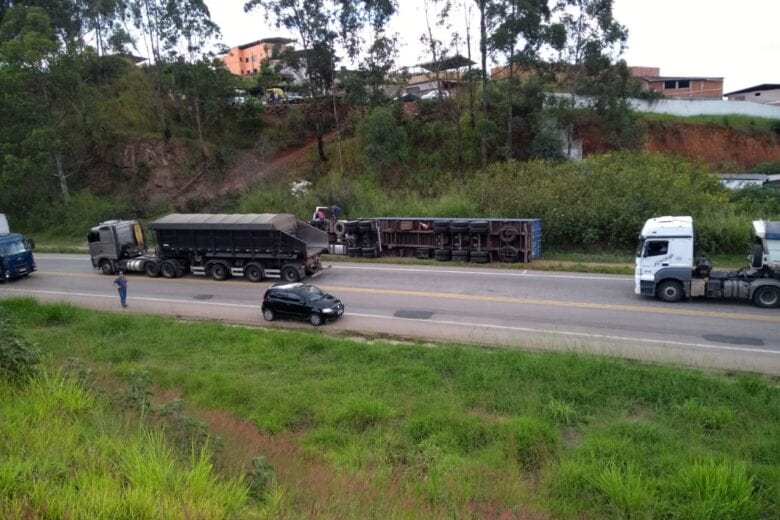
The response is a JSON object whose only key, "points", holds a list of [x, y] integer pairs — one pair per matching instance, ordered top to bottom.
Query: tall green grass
{"points": [[446, 431], [66, 454]]}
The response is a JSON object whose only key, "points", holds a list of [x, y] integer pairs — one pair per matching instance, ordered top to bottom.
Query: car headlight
{"points": [[328, 311]]}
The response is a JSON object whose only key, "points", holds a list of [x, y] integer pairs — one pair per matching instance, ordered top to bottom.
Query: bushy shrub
{"points": [[74, 217], [18, 358]]}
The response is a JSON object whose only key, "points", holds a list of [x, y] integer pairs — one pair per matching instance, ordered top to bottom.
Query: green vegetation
{"points": [[747, 124], [430, 432]]}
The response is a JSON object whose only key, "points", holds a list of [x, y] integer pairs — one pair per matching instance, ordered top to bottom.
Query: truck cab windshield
{"points": [[12, 248]]}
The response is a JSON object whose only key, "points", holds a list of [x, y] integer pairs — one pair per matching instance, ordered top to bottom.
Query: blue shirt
{"points": [[120, 282]]}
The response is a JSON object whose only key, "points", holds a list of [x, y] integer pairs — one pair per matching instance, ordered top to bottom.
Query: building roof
{"points": [[272, 41], [677, 78], [763, 86]]}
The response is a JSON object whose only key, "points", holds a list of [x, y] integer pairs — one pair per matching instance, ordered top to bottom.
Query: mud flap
{"points": [[320, 271]]}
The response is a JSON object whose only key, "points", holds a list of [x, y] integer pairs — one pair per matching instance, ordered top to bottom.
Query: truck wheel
{"points": [[106, 267], [151, 269], [168, 270], [219, 272], [253, 273], [290, 274], [670, 291], [767, 297], [269, 315], [315, 319]]}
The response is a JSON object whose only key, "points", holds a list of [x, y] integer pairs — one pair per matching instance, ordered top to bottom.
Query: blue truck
{"points": [[16, 258]]}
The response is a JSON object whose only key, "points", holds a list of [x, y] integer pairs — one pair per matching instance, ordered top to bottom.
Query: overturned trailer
{"points": [[477, 240]]}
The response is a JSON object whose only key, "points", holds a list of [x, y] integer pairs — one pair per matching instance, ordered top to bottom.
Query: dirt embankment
{"points": [[723, 149]]}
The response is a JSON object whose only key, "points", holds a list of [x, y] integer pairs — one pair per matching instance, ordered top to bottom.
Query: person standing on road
{"points": [[121, 285]]}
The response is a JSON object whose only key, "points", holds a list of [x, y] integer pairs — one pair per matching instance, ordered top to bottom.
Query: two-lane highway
{"points": [[502, 307]]}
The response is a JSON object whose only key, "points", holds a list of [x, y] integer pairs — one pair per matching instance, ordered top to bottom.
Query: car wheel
{"points": [[107, 267], [151, 269], [219, 272], [253, 273], [290, 274], [670, 291], [767, 297], [269, 315], [315, 319]]}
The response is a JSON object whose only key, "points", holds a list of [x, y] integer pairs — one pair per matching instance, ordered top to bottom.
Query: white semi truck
{"points": [[667, 269]]}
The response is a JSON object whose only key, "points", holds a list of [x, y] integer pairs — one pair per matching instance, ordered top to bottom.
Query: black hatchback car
{"points": [[301, 300]]}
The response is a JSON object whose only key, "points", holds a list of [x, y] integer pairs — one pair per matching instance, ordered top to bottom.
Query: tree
{"points": [[312, 21], [520, 22], [588, 40], [385, 143]]}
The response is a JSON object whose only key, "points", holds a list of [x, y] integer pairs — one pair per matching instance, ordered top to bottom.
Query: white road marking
{"points": [[438, 322]]}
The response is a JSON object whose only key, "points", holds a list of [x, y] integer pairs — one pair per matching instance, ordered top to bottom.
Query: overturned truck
{"points": [[478, 241], [255, 246]]}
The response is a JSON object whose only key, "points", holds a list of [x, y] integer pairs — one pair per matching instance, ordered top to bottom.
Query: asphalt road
{"points": [[499, 307]]}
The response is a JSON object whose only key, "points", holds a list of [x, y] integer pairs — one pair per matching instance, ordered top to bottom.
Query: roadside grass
{"points": [[428, 431], [67, 454]]}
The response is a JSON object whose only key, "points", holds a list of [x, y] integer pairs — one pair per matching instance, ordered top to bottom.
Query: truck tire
{"points": [[351, 226], [441, 226], [459, 226], [478, 226], [339, 228], [507, 234], [368, 252], [423, 253], [508, 254], [443, 255], [460, 255], [480, 257], [107, 267], [151, 269], [168, 269], [219, 272], [253, 273], [289, 273], [670, 291], [767, 297], [269, 315], [315, 319]]}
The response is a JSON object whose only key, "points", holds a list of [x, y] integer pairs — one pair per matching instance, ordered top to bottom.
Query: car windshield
{"points": [[12, 248], [312, 293]]}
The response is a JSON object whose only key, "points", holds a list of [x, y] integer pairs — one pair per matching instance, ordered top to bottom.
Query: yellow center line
{"points": [[649, 309]]}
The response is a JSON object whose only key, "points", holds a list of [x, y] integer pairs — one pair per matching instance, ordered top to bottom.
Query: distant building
{"points": [[246, 59], [679, 87], [766, 93], [737, 181]]}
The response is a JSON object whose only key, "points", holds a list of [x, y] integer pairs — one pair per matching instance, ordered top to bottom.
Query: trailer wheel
{"points": [[507, 234], [107, 267], [151, 269], [168, 269], [219, 272], [253, 273], [290, 274], [670, 291], [767, 297], [269, 315], [315, 319]]}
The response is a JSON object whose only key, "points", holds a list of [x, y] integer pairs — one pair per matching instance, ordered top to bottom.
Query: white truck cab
{"points": [[665, 250], [666, 269]]}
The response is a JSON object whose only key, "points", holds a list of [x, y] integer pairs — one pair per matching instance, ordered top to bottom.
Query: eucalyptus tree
{"points": [[313, 22], [520, 33], [589, 41]]}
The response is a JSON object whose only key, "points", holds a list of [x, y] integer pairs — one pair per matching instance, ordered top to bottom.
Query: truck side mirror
{"points": [[30, 244]]}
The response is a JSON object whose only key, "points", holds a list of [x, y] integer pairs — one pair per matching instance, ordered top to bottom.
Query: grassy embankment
{"points": [[364, 429]]}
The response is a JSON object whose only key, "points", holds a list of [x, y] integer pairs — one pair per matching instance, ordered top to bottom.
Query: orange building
{"points": [[247, 58], [676, 87]]}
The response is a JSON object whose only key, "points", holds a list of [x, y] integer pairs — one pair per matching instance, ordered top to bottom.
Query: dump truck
{"points": [[255, 246], [667, 269]]}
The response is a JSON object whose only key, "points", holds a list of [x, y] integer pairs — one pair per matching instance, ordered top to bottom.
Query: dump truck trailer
{"points": [[255, 246], [666, 267]]}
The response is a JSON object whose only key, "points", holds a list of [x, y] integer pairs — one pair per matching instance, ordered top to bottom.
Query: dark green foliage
{"points": [[385, 145], [18, 357]]}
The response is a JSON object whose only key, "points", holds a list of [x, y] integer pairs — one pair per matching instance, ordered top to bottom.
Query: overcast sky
{"points": [[738, 41]]}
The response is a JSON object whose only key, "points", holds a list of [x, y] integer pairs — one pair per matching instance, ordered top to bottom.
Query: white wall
{"points": [[706, 107]]}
